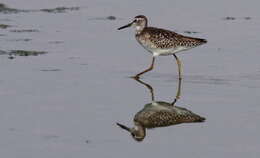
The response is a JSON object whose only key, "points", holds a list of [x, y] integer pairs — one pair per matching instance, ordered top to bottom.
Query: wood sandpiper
{"points": [[161, 42]]}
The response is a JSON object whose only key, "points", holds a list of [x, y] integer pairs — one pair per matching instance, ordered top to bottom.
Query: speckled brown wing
{"points": [[166, 39], [191, 41], [151, 118]]}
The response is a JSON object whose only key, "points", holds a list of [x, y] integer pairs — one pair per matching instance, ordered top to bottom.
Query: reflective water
{"points": [[66, 102], [159, 114]]}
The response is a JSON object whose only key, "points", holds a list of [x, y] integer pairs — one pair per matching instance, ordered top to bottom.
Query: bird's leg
{"points": [[179, 66], [149, 69], [146, 85], [178, 94]]}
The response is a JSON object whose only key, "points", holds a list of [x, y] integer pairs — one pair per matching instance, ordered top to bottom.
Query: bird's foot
{"points": [[135, 77]]}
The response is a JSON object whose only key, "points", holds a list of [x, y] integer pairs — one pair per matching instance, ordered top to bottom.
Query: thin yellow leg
{"points": [[179, 66], [149, 69], [148, 86], [178, 94]]}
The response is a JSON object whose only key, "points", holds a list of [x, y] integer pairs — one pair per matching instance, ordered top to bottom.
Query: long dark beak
{"points": [[128, 25], [124, 127]]}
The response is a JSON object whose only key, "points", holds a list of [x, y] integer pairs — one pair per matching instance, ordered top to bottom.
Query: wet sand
{"points": [[66, 101]]}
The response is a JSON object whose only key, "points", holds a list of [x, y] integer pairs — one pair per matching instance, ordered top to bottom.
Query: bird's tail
{"points": [[202, 41], [200, 119]]}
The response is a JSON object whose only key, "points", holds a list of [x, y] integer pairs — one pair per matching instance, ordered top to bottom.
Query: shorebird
{"points": [[161, 42], [159, 114]]}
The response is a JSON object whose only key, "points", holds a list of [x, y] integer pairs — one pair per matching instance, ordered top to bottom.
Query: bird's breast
{"points": [[146, 43]]}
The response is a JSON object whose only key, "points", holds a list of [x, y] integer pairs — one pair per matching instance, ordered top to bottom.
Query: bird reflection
{"points": [[159, 114]]}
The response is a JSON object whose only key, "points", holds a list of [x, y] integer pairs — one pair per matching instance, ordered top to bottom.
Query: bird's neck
{"points": [[139, 29], [139, 130]]}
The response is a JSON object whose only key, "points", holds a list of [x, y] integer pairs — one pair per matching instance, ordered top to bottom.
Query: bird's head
{"points": [[139, 22], [137, 132]]}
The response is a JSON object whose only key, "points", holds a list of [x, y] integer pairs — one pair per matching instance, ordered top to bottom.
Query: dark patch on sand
{"points": [[60, 9], [6, 10], [111, 17], [229, 18], [235, 18], [247, 18], [4, 26], [24, 30], [21, 40], [55, 42], [2, 52], [26, 52], [13, 53], [73, 58], [47, 70], [87, 141]]}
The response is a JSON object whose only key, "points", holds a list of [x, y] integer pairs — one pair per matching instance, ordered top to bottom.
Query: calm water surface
{"points": [[65, 79]]}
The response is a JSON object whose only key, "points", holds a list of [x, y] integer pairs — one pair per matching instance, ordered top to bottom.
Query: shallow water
{"points": [[66, 102]]}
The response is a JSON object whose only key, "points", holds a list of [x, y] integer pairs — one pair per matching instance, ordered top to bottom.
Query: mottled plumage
{"points": [[165, 39], [161, 42], [160, 114]]}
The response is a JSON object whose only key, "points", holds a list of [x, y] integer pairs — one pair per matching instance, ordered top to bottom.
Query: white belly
{"points": [[162, 52]]}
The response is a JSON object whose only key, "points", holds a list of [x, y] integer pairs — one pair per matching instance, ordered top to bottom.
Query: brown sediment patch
{"points": [[4, 26]]}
